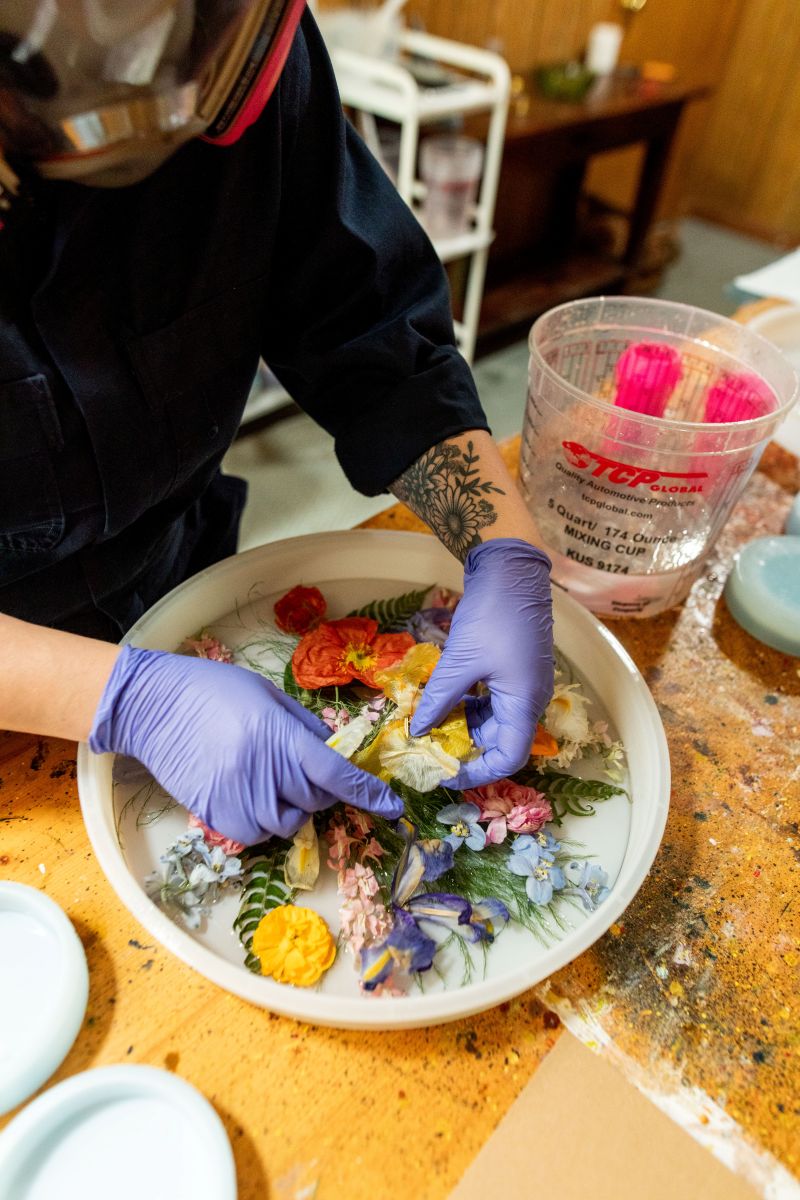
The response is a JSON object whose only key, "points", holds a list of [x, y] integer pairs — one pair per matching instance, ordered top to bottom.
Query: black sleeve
{"points": [[359, 329]]}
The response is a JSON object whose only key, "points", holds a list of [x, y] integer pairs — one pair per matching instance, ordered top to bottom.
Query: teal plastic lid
{"points": [[793, 520], [763, 591]]}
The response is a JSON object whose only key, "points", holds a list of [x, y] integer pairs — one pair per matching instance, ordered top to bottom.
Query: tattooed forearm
{"points": [[444, 487]]}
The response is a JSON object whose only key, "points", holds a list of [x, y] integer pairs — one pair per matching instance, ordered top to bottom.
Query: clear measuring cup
{"points": [[643, 423]]}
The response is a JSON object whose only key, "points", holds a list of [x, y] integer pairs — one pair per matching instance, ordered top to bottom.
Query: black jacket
{"points": [[126, 366]]}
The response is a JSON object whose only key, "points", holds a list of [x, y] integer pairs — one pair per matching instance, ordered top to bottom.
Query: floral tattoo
{"points": [[444, 487]]}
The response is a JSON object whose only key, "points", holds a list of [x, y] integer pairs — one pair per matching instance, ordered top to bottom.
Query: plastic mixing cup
{"points": [[451, 170], [629, 496]]}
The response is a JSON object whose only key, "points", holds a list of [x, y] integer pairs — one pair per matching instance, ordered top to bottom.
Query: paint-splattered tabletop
{"points": [[695, 993]]}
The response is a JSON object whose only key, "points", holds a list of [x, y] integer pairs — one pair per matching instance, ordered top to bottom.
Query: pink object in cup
{"points": [[647, 373], [738, 397]]}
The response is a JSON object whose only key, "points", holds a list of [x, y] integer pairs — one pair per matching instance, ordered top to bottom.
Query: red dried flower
{"points": [[300, 610], [351, 648]]}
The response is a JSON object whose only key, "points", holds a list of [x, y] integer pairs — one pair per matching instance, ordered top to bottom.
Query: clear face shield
{"points": [[102, 91]]}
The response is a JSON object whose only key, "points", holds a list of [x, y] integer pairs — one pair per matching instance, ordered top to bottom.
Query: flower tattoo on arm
{"points": [[444, 487]]}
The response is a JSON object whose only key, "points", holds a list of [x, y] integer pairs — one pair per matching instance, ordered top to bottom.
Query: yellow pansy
{"points": [[402, 681], [294, 945]]}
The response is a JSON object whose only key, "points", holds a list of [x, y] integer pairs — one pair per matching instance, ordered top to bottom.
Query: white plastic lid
{"points": [[44, 986], [126, 1132]]}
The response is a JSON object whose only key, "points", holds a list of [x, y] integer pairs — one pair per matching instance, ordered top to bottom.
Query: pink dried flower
{"points": [[442, 597], [208, 646], [372, 711], [334, 718], [509, 807], [359, 820], [212, 838], [340, 843], [372, 849], [358, 881], [363, 922]]}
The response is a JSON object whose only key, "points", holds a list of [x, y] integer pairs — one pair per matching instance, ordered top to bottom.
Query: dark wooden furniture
{"points": [[538, 259]]}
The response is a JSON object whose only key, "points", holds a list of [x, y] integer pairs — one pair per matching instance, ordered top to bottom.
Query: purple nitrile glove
{"points": [[502, 634], [227, 744]]}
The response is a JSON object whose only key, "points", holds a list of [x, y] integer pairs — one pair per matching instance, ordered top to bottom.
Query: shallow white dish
{"points": [[781, 326], [352, 568], [44, 989], [129, 1132]]}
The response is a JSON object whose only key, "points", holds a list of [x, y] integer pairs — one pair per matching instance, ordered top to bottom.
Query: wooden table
{"points": [[536, 261], [694, 994]]}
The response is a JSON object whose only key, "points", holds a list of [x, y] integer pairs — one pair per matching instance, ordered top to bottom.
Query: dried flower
{"points": [[300, 610], [431, 625], [205, 645], [338, 652], [402, 682], [334, 718], [348, 738], [420, 763], [509, 807], [463, 821], [212, 838], [301, 865], [192, 876], [543, 876], [589, 882], [294, 945], [406, 950]]}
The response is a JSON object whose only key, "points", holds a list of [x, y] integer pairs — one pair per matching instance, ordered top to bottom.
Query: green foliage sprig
{"points": [[393, 613], [568, 795], [264, 888]]}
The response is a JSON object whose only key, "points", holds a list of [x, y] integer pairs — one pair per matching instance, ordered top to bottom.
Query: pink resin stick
{"points": [[647, 373]]}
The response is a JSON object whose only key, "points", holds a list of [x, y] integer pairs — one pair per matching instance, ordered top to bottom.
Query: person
{"points": [[182, 196]]}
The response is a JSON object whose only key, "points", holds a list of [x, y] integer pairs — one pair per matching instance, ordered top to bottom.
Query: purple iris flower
{"points": [[430, 625], [463, 821], [420, 861], [474, 922], [406, 947]]}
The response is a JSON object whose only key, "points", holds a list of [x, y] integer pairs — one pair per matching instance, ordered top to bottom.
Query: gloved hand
{"points": [[502, 633], [228, 745]]}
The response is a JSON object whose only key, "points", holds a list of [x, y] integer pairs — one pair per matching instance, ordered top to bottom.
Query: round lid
{"points": [[793, 520], [763, 591], [45, 986], [124, 1131]]}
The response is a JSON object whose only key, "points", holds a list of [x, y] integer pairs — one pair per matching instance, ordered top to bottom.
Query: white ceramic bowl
{"points": [[352, 568]]}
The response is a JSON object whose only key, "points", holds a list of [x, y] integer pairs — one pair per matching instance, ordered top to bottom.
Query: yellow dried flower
{"points": [[402, 681], [453, 735], [301, 867], [294, 945]]}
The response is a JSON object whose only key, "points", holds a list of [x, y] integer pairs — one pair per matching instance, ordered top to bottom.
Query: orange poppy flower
{"points": [[337, 652]]}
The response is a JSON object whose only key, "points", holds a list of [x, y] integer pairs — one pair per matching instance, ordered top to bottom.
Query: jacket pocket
{"points": [[196, 374], [31, 513]]}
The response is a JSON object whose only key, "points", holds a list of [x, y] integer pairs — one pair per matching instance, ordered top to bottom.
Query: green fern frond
{"points": [[393, 613], [264, 888]]}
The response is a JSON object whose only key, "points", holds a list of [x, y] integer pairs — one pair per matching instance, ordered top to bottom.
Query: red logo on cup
{"points": [[619, 472]]}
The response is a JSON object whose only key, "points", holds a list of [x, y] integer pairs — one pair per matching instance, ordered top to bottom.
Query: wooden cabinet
{"points": [[538, 259]]}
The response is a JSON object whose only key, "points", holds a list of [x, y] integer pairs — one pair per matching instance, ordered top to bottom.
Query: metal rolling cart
{"points": [[474, 81]]}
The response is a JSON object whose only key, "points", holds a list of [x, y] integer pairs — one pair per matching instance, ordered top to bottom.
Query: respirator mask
{"points": [[103, 91]]}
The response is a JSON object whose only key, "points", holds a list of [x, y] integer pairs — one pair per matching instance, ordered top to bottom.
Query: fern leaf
{"points": [[393, 613], [568, 794], [264, 888]]}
